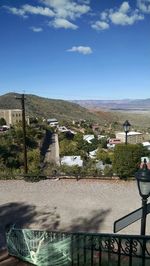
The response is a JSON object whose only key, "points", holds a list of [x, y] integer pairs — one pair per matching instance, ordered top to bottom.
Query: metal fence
{"points": [[45, 248]]}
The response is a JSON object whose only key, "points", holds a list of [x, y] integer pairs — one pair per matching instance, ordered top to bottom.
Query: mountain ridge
{"points": [[50, 108]]}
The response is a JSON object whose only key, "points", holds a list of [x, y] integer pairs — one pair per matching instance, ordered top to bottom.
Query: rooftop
{"points": [[16, 110], [131, 133]]}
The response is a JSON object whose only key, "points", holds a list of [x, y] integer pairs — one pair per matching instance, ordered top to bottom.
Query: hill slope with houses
{"points": [[49, 108]]}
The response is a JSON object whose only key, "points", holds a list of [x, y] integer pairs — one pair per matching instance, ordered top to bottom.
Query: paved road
{"points": [[69, 205]]}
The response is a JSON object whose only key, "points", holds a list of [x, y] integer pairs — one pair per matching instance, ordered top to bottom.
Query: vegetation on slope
{"points": [[50, 108], [11, 151]]}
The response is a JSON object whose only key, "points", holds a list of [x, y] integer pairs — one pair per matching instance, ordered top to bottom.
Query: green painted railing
{"points": [[45, 248]]}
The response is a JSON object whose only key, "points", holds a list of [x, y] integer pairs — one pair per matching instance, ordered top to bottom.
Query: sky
{"points": [[83, 49]]}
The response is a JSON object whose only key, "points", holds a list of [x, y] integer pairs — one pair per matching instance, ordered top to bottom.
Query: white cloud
{"points": [[87, 2], [144, 5], [66, 8], [124, 8], [28, 9], [38, 10], [16, 11], [63, 13], [104, 15], [123, 15], [120, 18], [63, 23], [100, 25], [35, 29], [81, 49]]}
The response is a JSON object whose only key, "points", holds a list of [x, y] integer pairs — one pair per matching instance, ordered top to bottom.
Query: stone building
{"points": [[12, 116]]}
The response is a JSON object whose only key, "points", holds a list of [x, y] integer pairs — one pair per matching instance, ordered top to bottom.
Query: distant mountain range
{"points": [[126, 104]]}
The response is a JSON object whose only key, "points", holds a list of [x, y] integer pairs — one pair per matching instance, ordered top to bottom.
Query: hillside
{"points": [[50, 108], [136, 111], [139, 121]]}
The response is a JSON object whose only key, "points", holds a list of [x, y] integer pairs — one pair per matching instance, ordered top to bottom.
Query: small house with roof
{"points": [[53, 122], [88, 138], [72, 160]]}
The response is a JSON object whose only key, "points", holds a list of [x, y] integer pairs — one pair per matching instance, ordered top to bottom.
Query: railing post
{"points": [[144, 214], [72, 248], [84, 249], [91, 250], [100, 251], [119, 251], [143, 251], [130, 252]]}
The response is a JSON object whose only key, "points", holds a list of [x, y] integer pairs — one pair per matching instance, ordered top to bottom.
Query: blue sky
{"points": [[85, 49]]}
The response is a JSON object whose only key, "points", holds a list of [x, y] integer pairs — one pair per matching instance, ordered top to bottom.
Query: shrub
{"points": [[126, 159], [108, 171]]}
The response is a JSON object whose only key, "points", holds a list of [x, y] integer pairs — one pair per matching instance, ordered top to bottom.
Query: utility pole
{"points": [[22, 99]]}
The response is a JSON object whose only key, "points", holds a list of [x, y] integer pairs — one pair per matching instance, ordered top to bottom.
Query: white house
{"points": [[52, 122], [62, 129], [101, 137], [88, 138], [146, 144], [110, 146], [92, 154], [72, 160]]}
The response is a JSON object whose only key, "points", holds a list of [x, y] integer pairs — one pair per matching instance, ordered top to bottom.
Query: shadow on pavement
{"points": [[24, 216], [91, 224]]}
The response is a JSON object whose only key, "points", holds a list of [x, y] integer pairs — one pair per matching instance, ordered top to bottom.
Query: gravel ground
{"points": [[84, 205]]}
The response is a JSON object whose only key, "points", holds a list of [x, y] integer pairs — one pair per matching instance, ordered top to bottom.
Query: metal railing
{"points": [[45, 248]]}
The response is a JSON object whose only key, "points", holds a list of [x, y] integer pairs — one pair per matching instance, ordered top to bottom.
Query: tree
{"points": [[34, 120], [2, 121], [111, 135], [103, 143], [94, 144], [67, 147], [11, 150], [103, 156], [127, 159], [34, 160], [90, 169], [70, 170], [108, 171]]}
